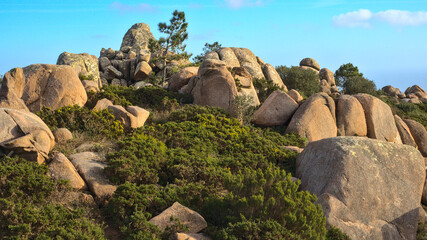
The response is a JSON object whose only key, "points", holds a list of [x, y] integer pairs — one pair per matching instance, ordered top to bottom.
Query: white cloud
{"points": [[235, 4], [125, 8], [360, 18], [366, 18], [402, 18]]}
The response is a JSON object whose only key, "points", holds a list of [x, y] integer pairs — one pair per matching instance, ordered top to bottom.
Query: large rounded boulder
{"points": [[137, 38], [84, 64], [45, 85], [350, 117], [315, 118], [24, 134], [419, 134], [370, 189]]}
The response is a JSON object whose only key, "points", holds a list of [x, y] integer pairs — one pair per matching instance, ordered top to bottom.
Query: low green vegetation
{"points": [[209, 47], [352, 81], [306, 82], [265, 88], [415, 111], [82, 119], [207, 161], [27, 210]]}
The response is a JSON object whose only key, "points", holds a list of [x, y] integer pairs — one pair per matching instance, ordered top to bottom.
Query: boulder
{"points": [[137, 38], [119, 55], [211, 55], [228, 57], [247, 59], [260, 62], [310, 62], [84, 64], [124, 67], [309, 68], [112, 71], [142, 71], [271, 75], [328, 75], [181, 78], [141, 84], [52, 86], [90, 86], [215, 86], [189, 87], [325, 87], [12, 88], [390, 90], [417, 91], [294, 94], [102, 104], [277, 109], [131, 117], [350, 117], [315, 118], [379, 118], [404, 132], [24, 134], [419, 134], [62, 135], [293, 149], [60, 168], [92, 171], [369, 189], [194, 221], [191, 236]]}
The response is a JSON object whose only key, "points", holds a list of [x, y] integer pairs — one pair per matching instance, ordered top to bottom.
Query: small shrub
{"points": [[85, 76], [307, 82], [359, 84], [265, 88], [82, 119], [336, 234]]}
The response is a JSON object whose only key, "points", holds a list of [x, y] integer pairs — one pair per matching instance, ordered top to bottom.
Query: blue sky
{"points": [[386, 39]]}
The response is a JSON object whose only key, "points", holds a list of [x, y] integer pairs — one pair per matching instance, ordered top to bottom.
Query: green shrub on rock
{"points": [[306, 82], [265, 88], [26, 209]]}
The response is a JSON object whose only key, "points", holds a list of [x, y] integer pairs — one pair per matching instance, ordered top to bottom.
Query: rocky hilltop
{"points": [[222, 150]]}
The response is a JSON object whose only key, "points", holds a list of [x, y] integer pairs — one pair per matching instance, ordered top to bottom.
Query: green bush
{"points": [[307, 82], [359, 84], [265, 88], [150, 97], [417, 112], [82, 119], [209, 162], [27, 212], [336, 234]]}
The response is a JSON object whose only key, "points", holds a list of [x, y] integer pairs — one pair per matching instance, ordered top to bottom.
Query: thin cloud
{"points": [[236, 4], [125, 8], [366, 18]]}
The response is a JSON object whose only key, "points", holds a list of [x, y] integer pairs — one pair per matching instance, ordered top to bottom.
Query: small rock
{"points": [[310, 62], [113, 71], [142, 71], [141, 84], [90, 86], [294, 94], [102, 104], [62, 135], [293, 148], [60, 168], [191, 236]]}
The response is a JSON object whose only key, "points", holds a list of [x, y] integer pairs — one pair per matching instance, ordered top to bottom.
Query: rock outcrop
{"points": [[137, 38], [311, 63], [84, 64], [182, 78], [52, 86], [276, 110], [350, 117], [315, 118], [379, 118], [405, 132], [24, 134], [419, 134], [60, 168], [369, 189], [194, 221]]}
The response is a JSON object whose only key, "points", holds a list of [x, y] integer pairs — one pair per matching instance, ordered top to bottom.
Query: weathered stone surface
{"points": [[137, 37], [119, 55], [211, 55], [228, 57], [248, 60], [260, 62], [310, 62], [84, 64], [124, 68], [310, 68], [142, 71], [114, 72], [271, 74], [328, 75], [181, 78], [141, 84], [52, 86], [90, 86], [215, 86], [12, 88], [187, 89], [390, 90], [417, 91], [251, 94], [294, 94], [103, 104], [277, 109], [140, 115], [315, 118], [379, 118], [351, 119], [405, 132], [25, 134], [419, 134], [62, 135], [294, 149], [60, 168], [92, 171], [370, 189], [194, 221], [191, 236]]}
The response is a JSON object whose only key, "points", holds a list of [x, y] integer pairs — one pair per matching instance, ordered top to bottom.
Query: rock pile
{"points": [[326, 76], [414, 94]]}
